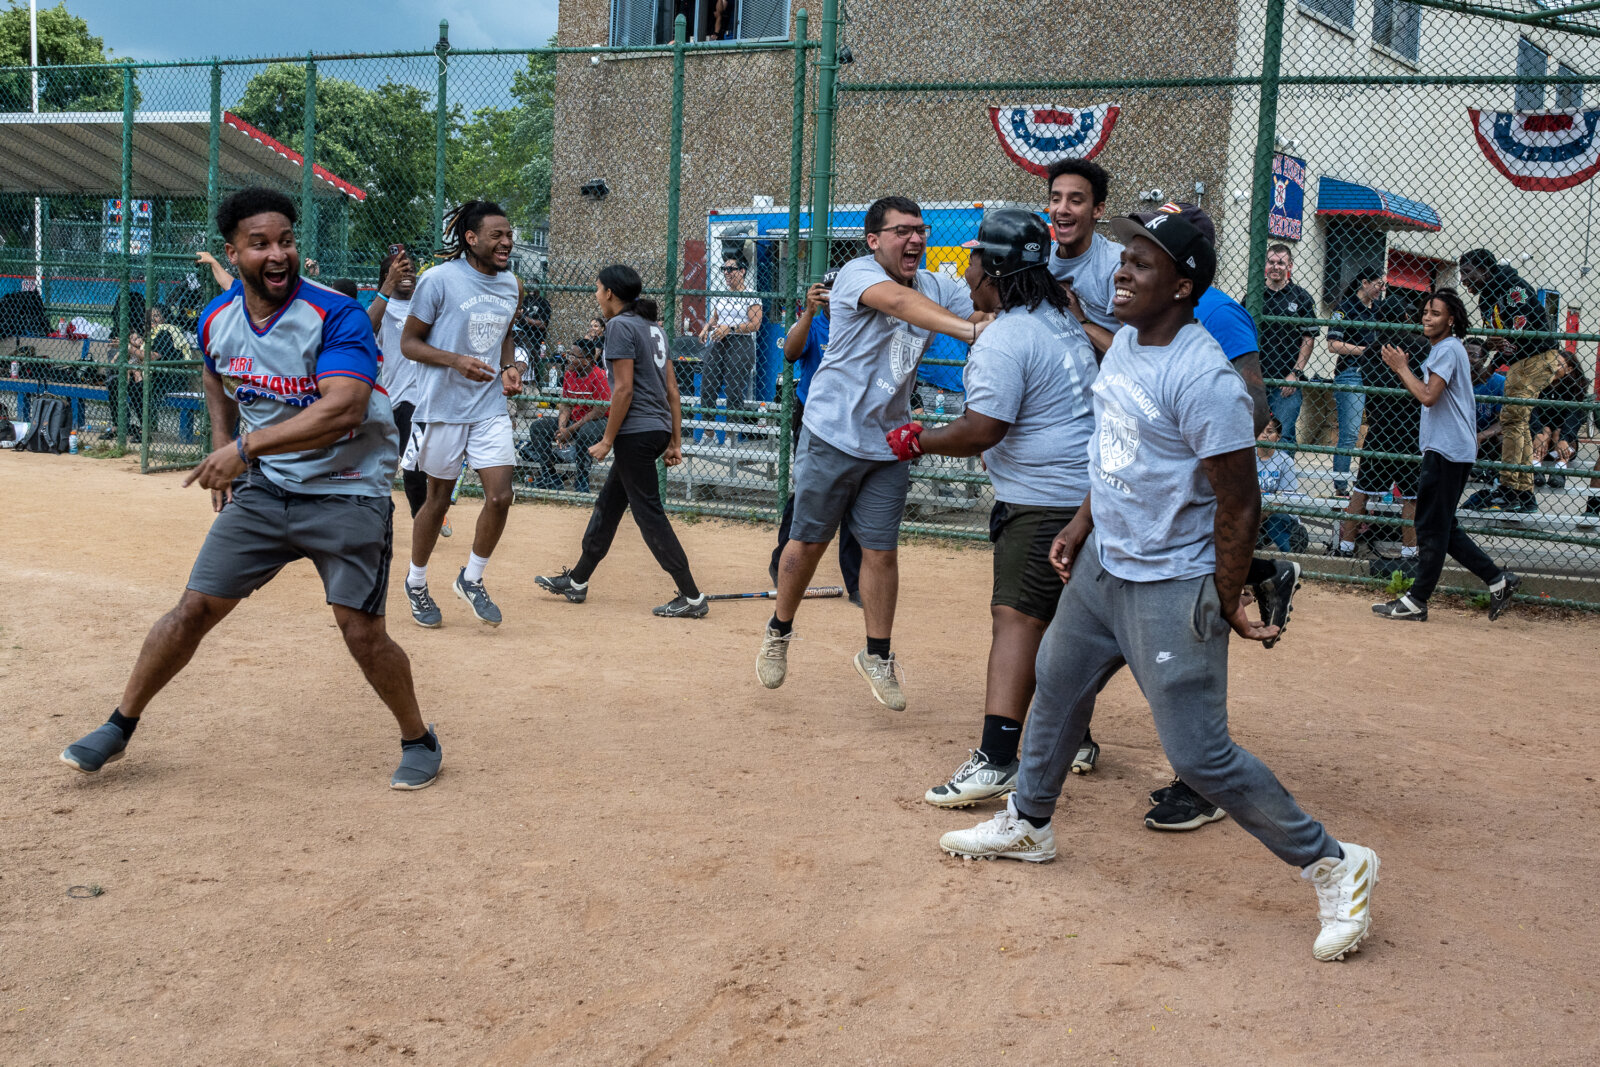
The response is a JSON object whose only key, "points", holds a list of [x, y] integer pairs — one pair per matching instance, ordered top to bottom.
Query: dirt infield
{"points": [[638, 856]]}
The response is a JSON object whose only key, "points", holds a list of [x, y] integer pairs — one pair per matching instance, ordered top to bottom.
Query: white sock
{"points": [[1347, 546], [1407, 552], [475, 565], [416, 577], [1498, 584]]}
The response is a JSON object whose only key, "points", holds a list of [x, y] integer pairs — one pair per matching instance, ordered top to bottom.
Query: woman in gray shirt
{"points": [[644, 425]]}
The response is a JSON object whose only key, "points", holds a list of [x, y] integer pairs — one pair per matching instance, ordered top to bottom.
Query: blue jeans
{"points": [[1351, 406], [1286, 409], [1277, 528]]}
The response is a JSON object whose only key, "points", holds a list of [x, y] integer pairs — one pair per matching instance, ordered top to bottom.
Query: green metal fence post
{"points": [[680, 35], [441, 129], [1266, 134], [797, 136], [822, 152], [213, 167], [308, 183], [126, 281], [152, 294]]}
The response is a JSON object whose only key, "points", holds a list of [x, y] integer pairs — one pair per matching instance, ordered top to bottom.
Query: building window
{"points": [[1338, 12], [650, 22], [1397, 26], [1531, 62], [1570, 95]]}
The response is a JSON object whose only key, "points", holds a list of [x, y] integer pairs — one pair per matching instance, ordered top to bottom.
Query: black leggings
{"points": [[416, 482], [632, 483], [1438, 490]]}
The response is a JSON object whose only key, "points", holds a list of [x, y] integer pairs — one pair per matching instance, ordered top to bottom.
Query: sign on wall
{"points": [[1037, 135], [1540, 151], [1287, 217], [138, 230]]}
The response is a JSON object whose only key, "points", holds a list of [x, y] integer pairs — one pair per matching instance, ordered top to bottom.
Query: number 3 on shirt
{"points": [[661, 345]]}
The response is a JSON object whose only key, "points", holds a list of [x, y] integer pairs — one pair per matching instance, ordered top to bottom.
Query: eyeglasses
{"points": [[904, 232]]}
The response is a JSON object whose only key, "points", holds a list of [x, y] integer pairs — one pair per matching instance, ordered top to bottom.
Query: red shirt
{"points": [[591, 386]]}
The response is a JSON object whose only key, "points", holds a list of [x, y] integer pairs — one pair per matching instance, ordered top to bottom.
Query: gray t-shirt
{"points": [[1091, 275], [469, 312], [630, 337], [1034, 369], [399, 373], [862, 389], [1158, 412], [1449, 427]]}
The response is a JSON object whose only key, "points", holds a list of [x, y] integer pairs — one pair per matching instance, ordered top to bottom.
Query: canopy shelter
{"points": [[79, 153]]}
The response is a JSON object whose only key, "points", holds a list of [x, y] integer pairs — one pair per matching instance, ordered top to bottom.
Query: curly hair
{"points": [[463, 220]]}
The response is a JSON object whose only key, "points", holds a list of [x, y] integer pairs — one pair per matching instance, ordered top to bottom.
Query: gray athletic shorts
{"points": [[831, 486], [349, 539]]}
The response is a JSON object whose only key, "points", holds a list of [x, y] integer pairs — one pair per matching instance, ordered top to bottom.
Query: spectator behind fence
{"points": [[1507, 302], [533, 322], [730, 334], [1351, 343], [168, 344], [1285, 348], [1486, 381], [1393, 424], [1556, 430], [568, 437], [1276, 474]]}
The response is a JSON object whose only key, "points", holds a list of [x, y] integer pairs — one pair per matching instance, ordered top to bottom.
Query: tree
{"points": [[64, 40], [379, 139], [503, 154]]}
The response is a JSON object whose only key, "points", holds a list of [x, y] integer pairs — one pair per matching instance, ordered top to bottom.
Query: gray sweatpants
{"points": [[1174, 638]]}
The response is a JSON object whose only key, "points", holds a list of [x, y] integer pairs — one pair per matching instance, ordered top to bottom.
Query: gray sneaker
{"points": [[477, 598], [423, 608], [772, 662], [880, 674], [94, 750], [418, 766]]}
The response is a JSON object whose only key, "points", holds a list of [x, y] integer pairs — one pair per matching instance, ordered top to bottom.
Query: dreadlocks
{"points": [[462, 221]]}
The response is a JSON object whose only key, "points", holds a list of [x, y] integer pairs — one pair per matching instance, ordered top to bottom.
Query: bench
{"points": [[76, 395]]}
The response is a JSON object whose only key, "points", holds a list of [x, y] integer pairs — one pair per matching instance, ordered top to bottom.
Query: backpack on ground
{"points": [[52, 426]]}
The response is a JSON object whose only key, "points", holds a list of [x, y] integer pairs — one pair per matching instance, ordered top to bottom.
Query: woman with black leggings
{"points": [[645, 424]]}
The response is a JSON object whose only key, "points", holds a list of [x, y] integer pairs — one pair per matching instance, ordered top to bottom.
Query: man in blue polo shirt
{"points": [[804, 346], [292, 366]]}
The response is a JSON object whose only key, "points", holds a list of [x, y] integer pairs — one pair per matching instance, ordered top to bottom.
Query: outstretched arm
{"points": [[908, 305]]}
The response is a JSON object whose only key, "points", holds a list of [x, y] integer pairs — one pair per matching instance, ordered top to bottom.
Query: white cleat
{"points": [[1007, 836], [1344, 893]]}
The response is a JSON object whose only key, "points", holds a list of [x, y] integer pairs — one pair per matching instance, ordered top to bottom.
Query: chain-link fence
{"points": [[1351, 154]]}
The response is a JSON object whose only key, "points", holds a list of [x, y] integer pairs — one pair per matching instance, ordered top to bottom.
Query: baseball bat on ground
{"points": [[816, 592]]}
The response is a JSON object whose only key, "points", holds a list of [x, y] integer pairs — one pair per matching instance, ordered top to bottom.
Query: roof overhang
{"points": [[79, 153], [1338, 198]]}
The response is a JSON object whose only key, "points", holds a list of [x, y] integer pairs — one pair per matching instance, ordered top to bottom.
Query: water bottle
{"points": [[16, 369], [938, 402], [72, 442]]}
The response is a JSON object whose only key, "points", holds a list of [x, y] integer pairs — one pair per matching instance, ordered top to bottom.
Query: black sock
{"points": [[584, 568], [1260, 570], [686, 587], [783, 628], [878, 646], [123, 723], [1000, 737], [427, 741], [1035, 821]]}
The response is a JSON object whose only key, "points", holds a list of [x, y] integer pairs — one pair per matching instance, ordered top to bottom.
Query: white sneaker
{"points": [[772, 662], [879, 673], [975, 780], [1007, 835], [1344, 891]]}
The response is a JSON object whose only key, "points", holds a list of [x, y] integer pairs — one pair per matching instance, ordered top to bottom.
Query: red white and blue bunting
{"points": [[1037, 135], [1540, 151]]}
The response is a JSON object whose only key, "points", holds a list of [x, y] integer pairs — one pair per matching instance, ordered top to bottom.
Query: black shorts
{"points": [[1375, 477], [349, 539], [1023, 577]]}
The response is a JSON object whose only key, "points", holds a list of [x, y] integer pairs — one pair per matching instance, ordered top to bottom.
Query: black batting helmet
{"points": [[1011, 240]]}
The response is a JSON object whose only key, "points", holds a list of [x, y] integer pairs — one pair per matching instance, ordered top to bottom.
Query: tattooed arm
{"points": [[1233, 479]]}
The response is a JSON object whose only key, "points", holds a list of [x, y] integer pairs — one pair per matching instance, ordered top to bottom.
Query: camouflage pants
{"points": [[1526, 377]]}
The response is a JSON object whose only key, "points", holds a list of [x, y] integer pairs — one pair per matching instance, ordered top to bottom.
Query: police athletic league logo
{"points": [[484, 330], [1119, 438]]}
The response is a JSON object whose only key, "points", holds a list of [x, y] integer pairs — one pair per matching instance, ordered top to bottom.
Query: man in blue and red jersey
{"points": [[305, 453]]}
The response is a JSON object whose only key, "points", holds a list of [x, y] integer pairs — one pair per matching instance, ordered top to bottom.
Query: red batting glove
{"points": [[905, 441]]}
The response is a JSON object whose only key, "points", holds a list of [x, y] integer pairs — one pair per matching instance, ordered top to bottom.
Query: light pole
{"points": [[38, 238]]}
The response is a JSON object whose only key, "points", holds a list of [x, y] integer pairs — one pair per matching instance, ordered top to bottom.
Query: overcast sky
{"points": [[169, 29]]}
